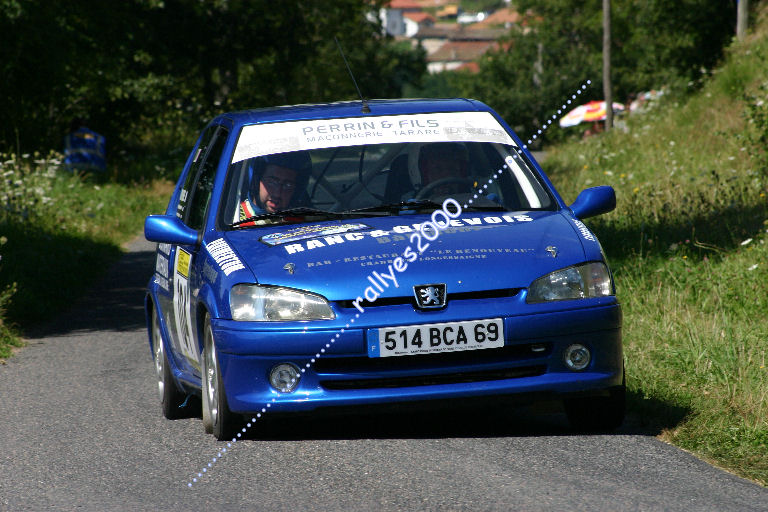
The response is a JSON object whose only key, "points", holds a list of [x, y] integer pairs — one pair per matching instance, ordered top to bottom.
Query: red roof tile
{"points": [[403, 4], [499, 17]]}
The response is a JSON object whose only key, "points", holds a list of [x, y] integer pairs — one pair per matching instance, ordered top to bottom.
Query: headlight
{"points": [[579, 282], [251, 302]]}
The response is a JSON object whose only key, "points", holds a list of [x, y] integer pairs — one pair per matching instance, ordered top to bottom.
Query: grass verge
{"points": [[59, 234], [688, 247]]}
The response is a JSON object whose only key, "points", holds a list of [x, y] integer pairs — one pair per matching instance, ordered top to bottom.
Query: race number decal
{"points": [[181, 304]]}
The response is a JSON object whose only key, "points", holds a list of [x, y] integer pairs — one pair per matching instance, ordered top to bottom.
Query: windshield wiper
{"points": [[402, 206], [486, 208], [300, 211]]}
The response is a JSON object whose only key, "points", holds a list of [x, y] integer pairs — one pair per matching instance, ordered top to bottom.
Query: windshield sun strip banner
{"points": [[281, 137]]}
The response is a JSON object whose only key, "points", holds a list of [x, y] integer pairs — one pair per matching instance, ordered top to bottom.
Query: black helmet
{"points": [[299, 161]]}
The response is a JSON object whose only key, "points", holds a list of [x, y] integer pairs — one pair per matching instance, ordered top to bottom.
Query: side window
{"points": [[200, 154], [203, 185]]}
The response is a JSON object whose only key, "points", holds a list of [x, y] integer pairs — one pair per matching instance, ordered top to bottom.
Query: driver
{"points": [[442, 161], [274, 186]]}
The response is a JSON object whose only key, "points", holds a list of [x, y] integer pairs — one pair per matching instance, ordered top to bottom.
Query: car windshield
{"points": [[388, 175]]}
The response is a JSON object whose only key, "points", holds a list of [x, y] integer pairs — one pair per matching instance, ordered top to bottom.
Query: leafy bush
{"points": [[756, 133], [27, 181], [26, 184], [62, 231], [8, 337]]}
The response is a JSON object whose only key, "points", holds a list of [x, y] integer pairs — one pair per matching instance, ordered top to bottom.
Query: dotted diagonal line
{"points": [[559, 112], [478, 190]]}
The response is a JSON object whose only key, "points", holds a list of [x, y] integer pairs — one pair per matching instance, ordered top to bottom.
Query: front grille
{"points": [[399, 301], [449, 360], [430, 380]]}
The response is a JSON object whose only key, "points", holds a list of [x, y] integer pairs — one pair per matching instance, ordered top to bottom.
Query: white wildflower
{"points": [[745, 242], [753, 267]]}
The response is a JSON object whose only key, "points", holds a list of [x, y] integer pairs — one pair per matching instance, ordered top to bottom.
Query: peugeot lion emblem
{"points": [[551, 249], [429, 296]]}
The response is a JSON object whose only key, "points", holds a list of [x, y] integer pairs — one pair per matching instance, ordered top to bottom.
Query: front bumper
{"points": [[531, 362]]}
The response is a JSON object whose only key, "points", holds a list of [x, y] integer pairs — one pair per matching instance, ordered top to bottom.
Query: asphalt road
{"points": [[81, 429]]}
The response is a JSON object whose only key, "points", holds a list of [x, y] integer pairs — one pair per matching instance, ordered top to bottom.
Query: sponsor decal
{"points": [[266, 139], [182, 203], [584, 230], [311, 231], [383, 236], [164, 248], [439, 255], [224, 256], [182, 262], [161, 265], [209, 273], [162, 283], [181, 305]]}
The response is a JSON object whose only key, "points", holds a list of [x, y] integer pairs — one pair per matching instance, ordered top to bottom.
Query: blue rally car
{"points": [[399, 251]]}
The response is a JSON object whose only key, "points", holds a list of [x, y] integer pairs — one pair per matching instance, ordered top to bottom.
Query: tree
{"points": [[742, 15], [558, 47], [134, 66], [607, 86]]}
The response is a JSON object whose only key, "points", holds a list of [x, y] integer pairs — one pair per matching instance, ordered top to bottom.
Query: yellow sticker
{"points": [[182, 262]]}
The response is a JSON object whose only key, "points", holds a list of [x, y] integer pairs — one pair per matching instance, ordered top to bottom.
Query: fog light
{"points": [[577, 357], [284, 377]]}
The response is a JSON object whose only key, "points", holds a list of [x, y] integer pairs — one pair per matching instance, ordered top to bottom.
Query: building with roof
{"points": [[400, 17], [506, 18], [454, 55]]}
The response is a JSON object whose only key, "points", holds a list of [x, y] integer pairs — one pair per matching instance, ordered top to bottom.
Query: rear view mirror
{"points": [[594, 201], [169, 229]]}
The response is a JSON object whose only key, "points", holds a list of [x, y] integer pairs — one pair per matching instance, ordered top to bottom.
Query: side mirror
{"points": [[594, 201], [170, 230]]}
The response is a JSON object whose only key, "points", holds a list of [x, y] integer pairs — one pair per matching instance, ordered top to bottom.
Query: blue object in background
{"points": [[85, 150]]}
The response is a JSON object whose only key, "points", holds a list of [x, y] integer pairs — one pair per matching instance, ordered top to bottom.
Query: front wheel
{"points": [[171, 399], [217, 418]]}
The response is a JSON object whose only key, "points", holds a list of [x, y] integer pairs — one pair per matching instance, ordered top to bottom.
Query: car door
{"points": [[194, 198]]}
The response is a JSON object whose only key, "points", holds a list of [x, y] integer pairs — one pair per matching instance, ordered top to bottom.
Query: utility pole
{"points": [[742, 11], [607, 64]]}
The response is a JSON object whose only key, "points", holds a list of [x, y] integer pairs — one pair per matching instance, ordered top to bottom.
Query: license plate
{"points": [[409, 340]]}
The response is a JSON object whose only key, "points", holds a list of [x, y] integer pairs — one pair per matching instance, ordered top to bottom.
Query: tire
{"points": [[171, 398], [598, 414], [217, 418]]}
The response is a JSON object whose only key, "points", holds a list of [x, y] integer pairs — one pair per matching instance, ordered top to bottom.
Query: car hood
{"points": [[483, 251]]}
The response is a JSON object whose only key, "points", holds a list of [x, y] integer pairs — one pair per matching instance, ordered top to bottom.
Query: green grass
{"points": [[59, 234], [688, 244]]}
